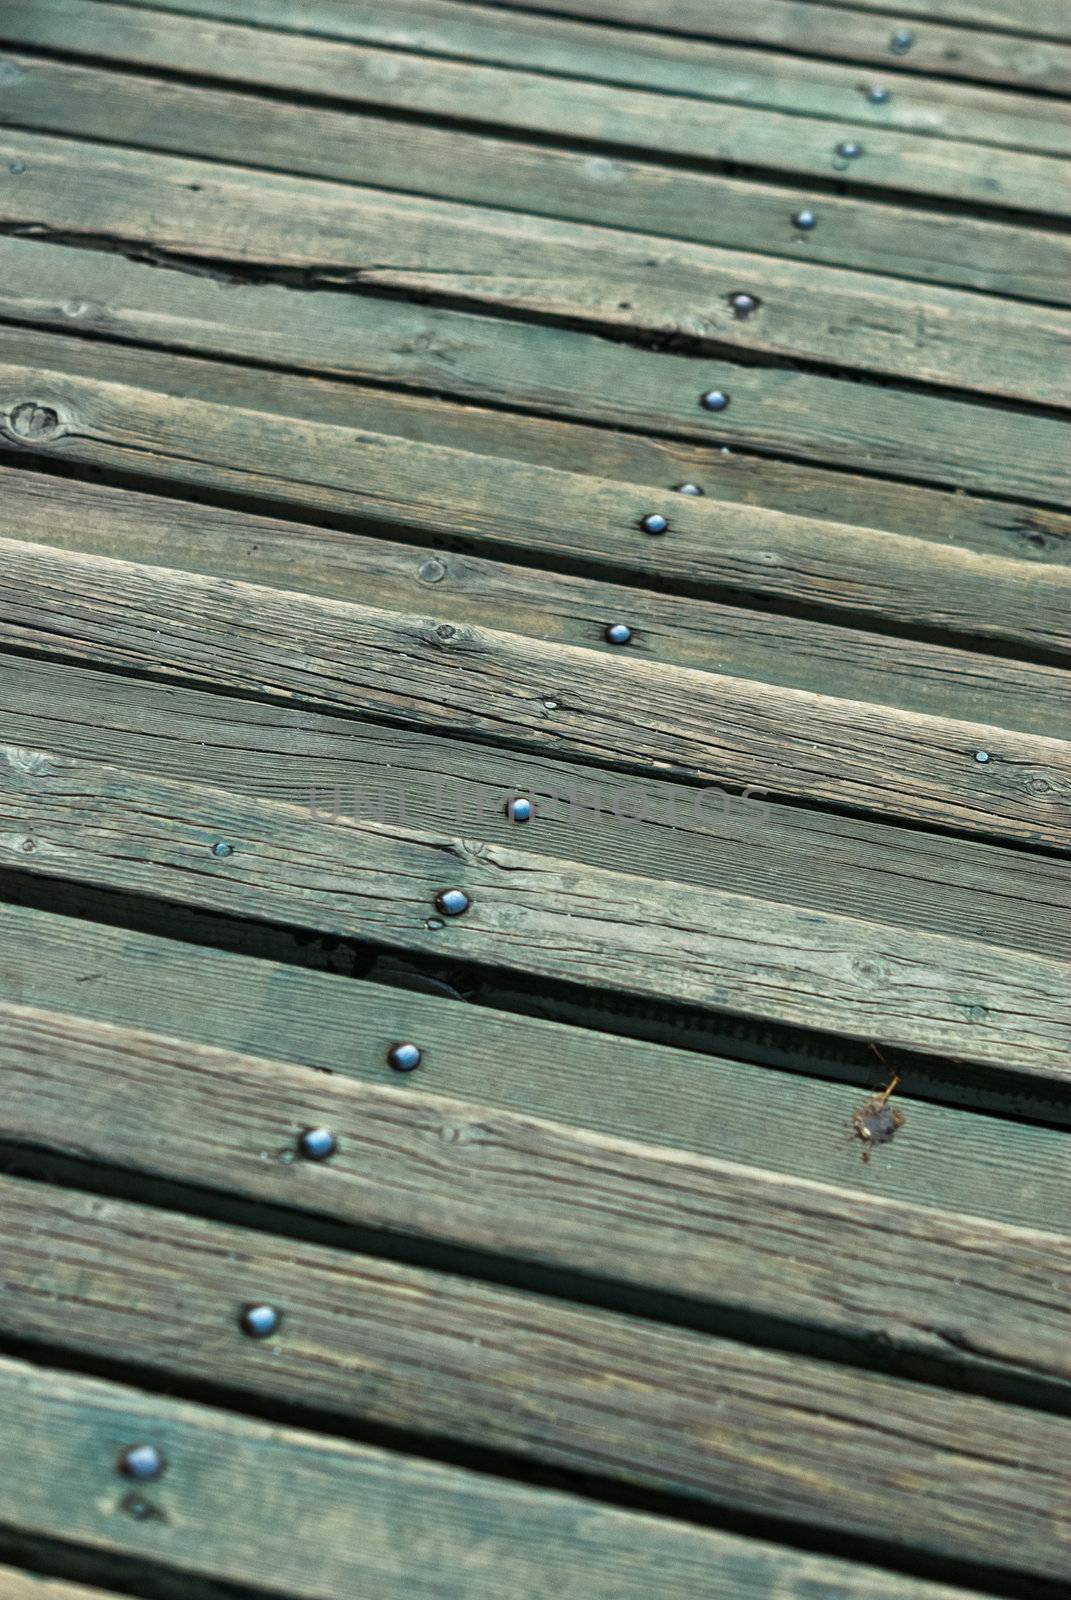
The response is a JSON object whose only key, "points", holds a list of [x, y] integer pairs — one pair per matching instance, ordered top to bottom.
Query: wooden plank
{"points": [[1045, 19], [829, 30], [644, 60], [592, 113], [708, 208], [632, 284], [422, 355], [569, 373], [883, 430], [578, 522], [733, 640], [483, 683], [811, 858], [544, 917], [945, 1156], [712, 1236], [576, 1388], [399, 1525], [18, 1585]]}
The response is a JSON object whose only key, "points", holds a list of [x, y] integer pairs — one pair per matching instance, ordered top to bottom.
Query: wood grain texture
{"points": [[1046, 19], [844, 34], [640, 59], [589, 113], [953, 248], [620, 281], [882, 430], [485, 504], [99, 520], [1028, 533], [477, 682], [653, 829], [544, 917], [954, 1159], [990, 1298], [608, 1395], [399, 1526], [19, 1585]]}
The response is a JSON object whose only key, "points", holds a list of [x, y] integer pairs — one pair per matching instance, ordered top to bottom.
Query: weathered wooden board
{"points": [[1046, 19], [1004, 58], [637, 59], [596, 114], [209, 212], [953, 248], [422, 355], [921, 436], [579, 523], [729, 639], [476, 682], [811, 858], [543, 917], [944, 1156], [710, 1235], [591, 1392], [399, 1526], [18, 1585]]}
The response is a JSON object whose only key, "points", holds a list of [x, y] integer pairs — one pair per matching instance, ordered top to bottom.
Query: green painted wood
{"points": [[828, 30], [636, 59], [591, 113], [163, 114], [939, 336], [422, 355], [486, 504], [124, 524], [477, 682], [810, 858], [546, 918], [996, 1167], [987, 1298], [605, 1395], [399, 1526]]}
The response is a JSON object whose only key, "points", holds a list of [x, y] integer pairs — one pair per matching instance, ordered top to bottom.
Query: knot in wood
{"points": [[34, 423]]}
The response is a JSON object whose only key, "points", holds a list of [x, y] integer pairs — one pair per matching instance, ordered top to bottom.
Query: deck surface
{"points": [[679, 1209]]}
